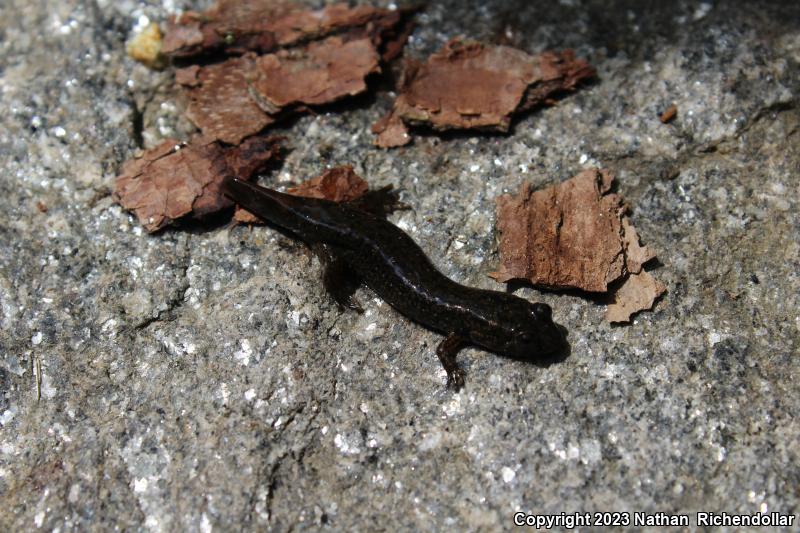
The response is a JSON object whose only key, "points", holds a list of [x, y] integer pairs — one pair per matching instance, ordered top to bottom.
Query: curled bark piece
{"points": [[237, 26], [286, 57], [323, 72], [469, 85], [239, 97], [220, 100], [391, 132], [175, 180], [338, 184], [575, 235], [564, 237], [636, 255], [637, 293]]}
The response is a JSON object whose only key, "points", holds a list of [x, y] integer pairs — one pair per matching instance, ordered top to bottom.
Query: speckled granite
{"points": [[200, 379]]}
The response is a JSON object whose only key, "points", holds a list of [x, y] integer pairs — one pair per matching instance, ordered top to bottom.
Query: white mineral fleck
{"points": [[244, 353], [7, 416], [346, 445], [140, 485], [205, 523]]}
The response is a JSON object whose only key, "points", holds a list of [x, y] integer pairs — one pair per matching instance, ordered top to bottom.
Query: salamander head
{"points": [[528, 333], [536, 336]]}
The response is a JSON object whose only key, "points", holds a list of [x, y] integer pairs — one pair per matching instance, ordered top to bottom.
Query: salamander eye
{"points": [[542, 311], [525, 337]]}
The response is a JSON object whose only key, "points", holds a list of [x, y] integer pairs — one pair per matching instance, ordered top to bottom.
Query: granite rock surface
{"points": [[200, 378]]}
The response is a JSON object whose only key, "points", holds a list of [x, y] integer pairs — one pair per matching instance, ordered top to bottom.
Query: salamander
{"points": [[363, 247]]}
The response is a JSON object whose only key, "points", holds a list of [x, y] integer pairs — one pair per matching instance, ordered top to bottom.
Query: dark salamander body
{"points": [[363, 247]]}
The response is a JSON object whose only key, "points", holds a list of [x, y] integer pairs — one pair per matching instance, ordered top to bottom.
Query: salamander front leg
{"points": [[379, 202], [339, 280], [447, 351]]}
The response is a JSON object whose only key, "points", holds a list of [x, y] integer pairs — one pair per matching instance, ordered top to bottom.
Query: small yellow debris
{"points": [[145, 47]]}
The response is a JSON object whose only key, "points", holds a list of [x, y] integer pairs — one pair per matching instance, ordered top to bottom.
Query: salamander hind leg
{"points": [[339, 280], [447, 351]]}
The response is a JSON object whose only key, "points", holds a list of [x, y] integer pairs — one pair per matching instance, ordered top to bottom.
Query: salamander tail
{"points": [[261, 201]]}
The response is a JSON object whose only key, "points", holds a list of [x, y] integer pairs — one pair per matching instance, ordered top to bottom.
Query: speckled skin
{"points": [[396, 268]]}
